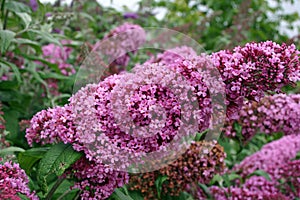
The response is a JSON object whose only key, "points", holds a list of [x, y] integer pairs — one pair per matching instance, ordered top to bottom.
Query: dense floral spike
{"points": [[130, 15], [119, 42], [59, 55], [174, 55], [267, 64], [256, 68], [200, 74], [121, 108], [277, 113], [52, 125], [57, 125], [270, 157], [275, 158], [197, 165], [289, 180], [13, 181], [96, 181], [256, 187]]}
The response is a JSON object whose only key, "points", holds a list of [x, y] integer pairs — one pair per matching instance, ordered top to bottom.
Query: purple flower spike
{"points": [[34, 5], [130, 15]]}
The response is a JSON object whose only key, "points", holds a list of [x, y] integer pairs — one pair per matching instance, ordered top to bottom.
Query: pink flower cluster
{"points": [[119, 42], [59, 55], [171, 56], [267, 64], [256, 68], [199, 72], [276, 113], [108, 121], [120, 123], [58, 125], [51, 126], [271, 157], [275, 158], [290, 178], [13, 181], [96, 181], [256, 187]]}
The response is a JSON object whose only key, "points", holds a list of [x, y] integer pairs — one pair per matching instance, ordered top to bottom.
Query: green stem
{"points": [[2, 7], [5, 20], [53, 189]]}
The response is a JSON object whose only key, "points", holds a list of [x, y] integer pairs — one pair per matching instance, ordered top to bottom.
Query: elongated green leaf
{"points": [[15, 6], [87, 16], [26, 19], [45, 36], [6, 38], [22, 41], [26, 41], [14, 68], [36, 75], [53, 75], [8, 85], [11, 118], [10, 150], [30, 157], [55, 162], [260, 173], [217, 179], [158, 183], [205, 189], [64, 192], [136, 195], [121, 196], [23, 197]]}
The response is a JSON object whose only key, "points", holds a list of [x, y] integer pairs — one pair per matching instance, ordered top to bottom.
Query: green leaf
{"points": [[15, 6], [87, 16], [26, 19], [45, 36], [6, 38], [23, 41], [26, 41], [14, 68], [36, 75], [46, 75], [8, 85], [12, 123], [201, 136], [11, 150], [297, 156], [28, 158], [59, 158], [260, 173], [234, 176], [217, 179], [226, 180], [158, 184], [205, 189], [64, 191], [136, 195], [121, 196], [23, 197]]}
